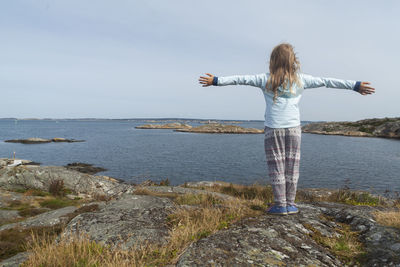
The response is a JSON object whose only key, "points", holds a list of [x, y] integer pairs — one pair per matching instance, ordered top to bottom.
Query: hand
{"points": [[206, 81], [365, 89]]}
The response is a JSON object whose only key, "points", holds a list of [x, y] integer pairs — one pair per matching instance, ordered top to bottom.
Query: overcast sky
{"points": [[127, 59]]}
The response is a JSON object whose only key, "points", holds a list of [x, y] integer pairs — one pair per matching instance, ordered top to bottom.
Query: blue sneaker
{"points": [[291, 209], [277, 210]]}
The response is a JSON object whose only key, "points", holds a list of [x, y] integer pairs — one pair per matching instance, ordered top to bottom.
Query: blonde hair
{"points": [[283, 68]]}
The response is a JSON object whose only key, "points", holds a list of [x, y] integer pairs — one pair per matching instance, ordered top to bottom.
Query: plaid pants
{"points": [[282, 149]]}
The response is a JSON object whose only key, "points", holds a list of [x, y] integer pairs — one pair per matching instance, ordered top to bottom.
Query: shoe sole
{"points": [[293, 212], [282, 214]]}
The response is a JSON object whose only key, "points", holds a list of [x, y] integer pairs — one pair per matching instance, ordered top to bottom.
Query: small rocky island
{"points": [[173, 125], [386, 127], [221, 129], [35, 140], [106, 222]]}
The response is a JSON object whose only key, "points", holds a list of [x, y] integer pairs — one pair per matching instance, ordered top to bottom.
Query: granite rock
{"points": [[125, 222]]}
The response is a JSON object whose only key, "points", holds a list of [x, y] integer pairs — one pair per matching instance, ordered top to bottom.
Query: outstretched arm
{"points": [[258, 80], [363, 88]]}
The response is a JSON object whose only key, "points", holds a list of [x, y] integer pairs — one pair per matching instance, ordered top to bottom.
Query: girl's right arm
{"points": [[258, 80]]}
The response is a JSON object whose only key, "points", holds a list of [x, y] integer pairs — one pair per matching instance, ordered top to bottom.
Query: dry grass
{"points": [[56, 188], [36, 192], [245, 192], [265, 194], [24, 208], [388, 218], [186, 224], [15, 240]]}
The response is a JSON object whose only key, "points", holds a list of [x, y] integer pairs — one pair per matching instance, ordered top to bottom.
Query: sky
{"points": [[142, 59]]}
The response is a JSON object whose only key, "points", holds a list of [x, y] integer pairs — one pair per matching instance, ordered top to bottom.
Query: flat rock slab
{"points": [[181, 190], [6, 215], [50, 218], [128, 221], [263, 241], [284, 241]]}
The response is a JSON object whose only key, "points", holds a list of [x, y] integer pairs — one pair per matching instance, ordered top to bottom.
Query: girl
{"points": [[282, 88]]}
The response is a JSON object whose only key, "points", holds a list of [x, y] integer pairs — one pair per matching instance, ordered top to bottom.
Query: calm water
{"points": [[136, 155]]}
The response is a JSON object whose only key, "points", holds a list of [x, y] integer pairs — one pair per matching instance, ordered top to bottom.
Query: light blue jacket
{"points": [[284, 113]]}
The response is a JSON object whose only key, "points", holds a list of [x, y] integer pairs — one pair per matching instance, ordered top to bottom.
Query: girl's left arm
{"points": [[258, 80], [363, 88]]}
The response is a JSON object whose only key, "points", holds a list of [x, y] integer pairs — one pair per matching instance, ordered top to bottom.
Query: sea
{"points": [[136, 155]]}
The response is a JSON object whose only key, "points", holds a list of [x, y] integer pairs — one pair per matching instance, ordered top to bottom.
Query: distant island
{"points": [[173, 125], [213, 127], [386, 127], [221, 129], [36, 140]]}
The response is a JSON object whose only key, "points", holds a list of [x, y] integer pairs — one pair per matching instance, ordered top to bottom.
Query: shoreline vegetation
{"points": [[55, 216]]}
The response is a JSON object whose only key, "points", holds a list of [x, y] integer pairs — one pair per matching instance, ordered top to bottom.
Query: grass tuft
{"points": [[56, 188], [36, 192], [245, 192], [347, 196], [197, 199], [57, 203], [388, 218], [15, 240], [345, 245]]}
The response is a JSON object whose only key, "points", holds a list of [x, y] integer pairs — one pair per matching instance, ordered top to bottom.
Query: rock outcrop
{"points": [[174, 125], [387, 127], [221, 128], [35, 140], [5, 162], [84, 168], [40, 177], [50, 218], [130, 220], [286, 240]]}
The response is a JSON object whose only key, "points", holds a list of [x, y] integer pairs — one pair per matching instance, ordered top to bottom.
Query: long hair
{"points": [[283, 68]]}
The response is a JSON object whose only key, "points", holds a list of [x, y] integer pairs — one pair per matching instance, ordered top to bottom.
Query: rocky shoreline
{"points": [[173, 125], [208, 127], [386, 127], [217, 128], [36, 140], [126, 216]]}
